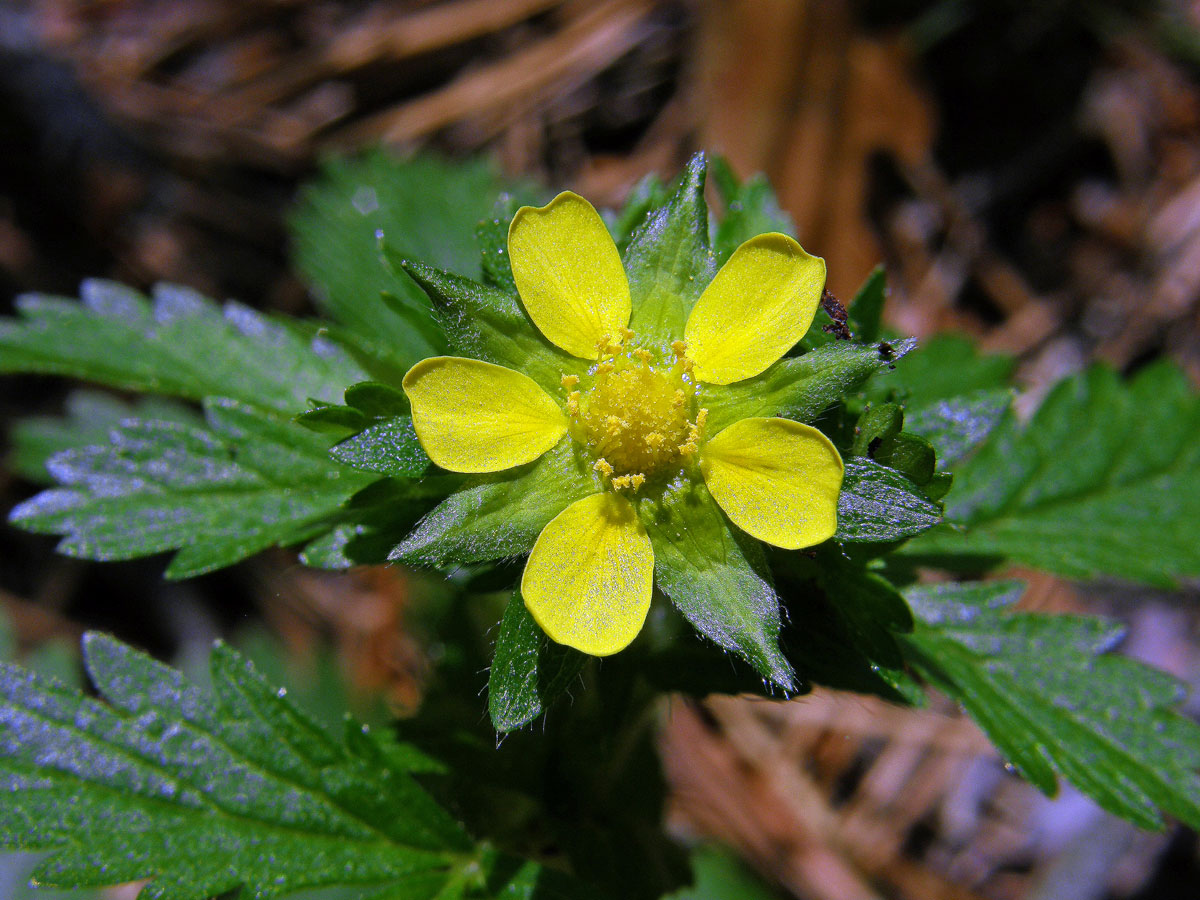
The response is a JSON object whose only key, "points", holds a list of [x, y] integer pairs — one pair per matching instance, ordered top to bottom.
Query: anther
{"points": [[679, 348], [569, 381], [573, 403], [603, 466]]}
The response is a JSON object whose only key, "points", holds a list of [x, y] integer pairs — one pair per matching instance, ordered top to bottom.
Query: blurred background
{"points": [[1029, 173]]}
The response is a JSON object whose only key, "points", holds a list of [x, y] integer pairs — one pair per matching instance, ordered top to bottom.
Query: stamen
{"points": [[679, 348], [569, 381], [603, 466]]}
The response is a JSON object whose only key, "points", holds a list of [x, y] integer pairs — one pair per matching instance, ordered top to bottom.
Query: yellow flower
{"points": [[638, 413]]}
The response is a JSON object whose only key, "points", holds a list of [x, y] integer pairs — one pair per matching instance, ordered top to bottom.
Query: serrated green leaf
{"points": [[425, 208], [750, 208], [668, 261], [865, 317], [486, 323], [186, 346], [942, 367], [799, 387], [88, 418], [957, 425], [387, 448], [1103, 481], [218, 494], [879, 504], [499, 515], [717, 578], [529, 671], [1053, 699], [202, 794]]}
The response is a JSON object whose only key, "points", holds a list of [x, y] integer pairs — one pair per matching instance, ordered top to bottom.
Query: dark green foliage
{"points": [[424, 208], [750, 208], [180, 344], [941, 367], [1104, 480], [217, 494], [880, 504], [529, 671], [1046, 690], [206, 794]]}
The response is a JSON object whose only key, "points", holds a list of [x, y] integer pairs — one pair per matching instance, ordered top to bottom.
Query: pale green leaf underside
{"points": [[1046, 690]]}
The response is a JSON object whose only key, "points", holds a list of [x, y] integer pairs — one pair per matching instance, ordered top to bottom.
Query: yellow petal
{"points": [[569, 274], [759, 304], [473, 416], [776, 479], [589, 578]]}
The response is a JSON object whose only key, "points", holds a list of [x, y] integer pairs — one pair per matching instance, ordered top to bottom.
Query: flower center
{"points": [[635, 413]]}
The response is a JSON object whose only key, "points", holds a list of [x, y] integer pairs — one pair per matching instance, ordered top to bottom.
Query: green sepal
{"points": [[426, 207], [750, 208], [492, 234], [668, 262], [865, 315], [489, 324], [799, 387], [389, 447], [880, 504], [500, 515], [717, 577], [529, 671]]}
